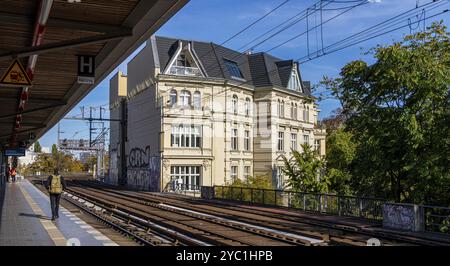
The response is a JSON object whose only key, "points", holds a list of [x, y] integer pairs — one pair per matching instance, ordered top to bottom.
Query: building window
{"points": [[233, 69], [294, 81], [173, 97], [185, 98], [197, 99], [234, 104], [247, 106], [279, 108], [282, 109], [292, 110], [295, 112], [304, 113], [307, 114], [185, 136], [234, 139], [306, 139], [247, 140], [280, 141], [294, 141], [317, 145], [247, 172], [234, 173], [186, 177], [280, 177]]}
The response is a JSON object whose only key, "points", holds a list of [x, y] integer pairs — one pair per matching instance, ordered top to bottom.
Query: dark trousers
{"points": [[54, 203]]}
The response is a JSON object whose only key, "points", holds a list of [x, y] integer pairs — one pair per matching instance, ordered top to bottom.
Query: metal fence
{"points": [[369, 208], [436, 219]]}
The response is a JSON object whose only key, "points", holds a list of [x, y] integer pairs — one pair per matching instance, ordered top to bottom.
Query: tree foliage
{"points": [[397, 109], [37, 147], [340, 154], [47, 163], [304, 171]]}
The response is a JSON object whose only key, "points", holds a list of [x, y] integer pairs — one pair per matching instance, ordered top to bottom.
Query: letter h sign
{"points": [[86, 69]]}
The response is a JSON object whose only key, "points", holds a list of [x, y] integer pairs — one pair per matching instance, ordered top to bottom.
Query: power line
{"points": [[346, 9]]}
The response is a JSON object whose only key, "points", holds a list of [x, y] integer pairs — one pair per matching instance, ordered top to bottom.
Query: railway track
{"points": [[197, 228], [333, 234]]}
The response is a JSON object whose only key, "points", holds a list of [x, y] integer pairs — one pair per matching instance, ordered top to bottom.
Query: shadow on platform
{"points": [[35, 216]]}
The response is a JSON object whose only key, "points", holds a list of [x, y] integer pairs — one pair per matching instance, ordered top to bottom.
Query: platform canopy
{"points": [[47, 37]]}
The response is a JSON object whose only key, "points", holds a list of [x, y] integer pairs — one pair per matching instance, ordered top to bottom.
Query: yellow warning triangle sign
{"points": [[15, 75]]}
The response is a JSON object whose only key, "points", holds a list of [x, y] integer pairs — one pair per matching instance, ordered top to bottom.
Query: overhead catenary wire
{"points": [[346, 9], [305, 58]]}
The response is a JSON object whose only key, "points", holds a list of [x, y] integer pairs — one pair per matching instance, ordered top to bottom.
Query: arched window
{"points": [[173, 97], [185, 98], [197, 99], [235, 104], [247, 106]]}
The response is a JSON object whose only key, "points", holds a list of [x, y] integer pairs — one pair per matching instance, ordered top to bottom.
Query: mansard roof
{"points": [[259, 69]]}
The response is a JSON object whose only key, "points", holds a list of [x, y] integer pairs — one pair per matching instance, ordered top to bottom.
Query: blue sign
{"points": [[15, 152]]}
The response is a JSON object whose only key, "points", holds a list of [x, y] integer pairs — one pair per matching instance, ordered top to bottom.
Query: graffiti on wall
{"points": [[143, 169]]}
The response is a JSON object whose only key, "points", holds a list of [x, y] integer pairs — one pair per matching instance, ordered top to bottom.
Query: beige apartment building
{"points": [[205, 114]]}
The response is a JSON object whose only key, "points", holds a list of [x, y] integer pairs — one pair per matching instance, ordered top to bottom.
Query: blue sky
{"points": [[217, 20]]}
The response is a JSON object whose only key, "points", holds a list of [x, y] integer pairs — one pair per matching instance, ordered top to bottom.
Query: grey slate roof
{"points": [[259, 69]]}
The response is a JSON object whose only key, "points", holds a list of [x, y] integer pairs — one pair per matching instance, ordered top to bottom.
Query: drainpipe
{"points": [[39, 30]]}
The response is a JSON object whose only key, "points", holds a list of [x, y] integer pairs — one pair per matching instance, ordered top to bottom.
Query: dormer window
{"points": [[184, 63], [233, 69], [294, 81]]}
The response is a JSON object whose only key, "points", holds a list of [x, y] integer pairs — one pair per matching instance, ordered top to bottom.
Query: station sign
{"points": [[86, 69], [15, 75], [18, 152]]}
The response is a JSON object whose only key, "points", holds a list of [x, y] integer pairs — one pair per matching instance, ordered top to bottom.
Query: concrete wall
{"points": [[117, 92], [143, 124], [408, 217]]}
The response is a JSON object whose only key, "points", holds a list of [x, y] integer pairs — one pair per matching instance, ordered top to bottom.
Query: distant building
{"points": [[208, 115], [31, 155], [85, 156]]}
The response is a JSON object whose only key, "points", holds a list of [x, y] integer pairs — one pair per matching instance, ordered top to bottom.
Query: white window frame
{"points": [[173, 97], [185, 98], [197, 99], [234, 104], [247, 106], [186, 136], [234, 139], [305, 139], [294, 141], [280, 144], [247, 146], [234, 170], [247, 171], [190, 174], [279, 177]]}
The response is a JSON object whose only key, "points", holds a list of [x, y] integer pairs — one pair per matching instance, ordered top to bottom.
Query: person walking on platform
{"points": [[13, 174], [55, 186]]}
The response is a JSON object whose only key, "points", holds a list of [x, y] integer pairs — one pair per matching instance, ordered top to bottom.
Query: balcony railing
{"points": [[185, 71]]}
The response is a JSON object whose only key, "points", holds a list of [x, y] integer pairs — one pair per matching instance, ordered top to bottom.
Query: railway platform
{"points": [[26, 221]]}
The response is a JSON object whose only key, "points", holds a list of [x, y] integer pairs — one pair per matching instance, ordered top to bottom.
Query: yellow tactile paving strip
{"points": [[56, 236]]}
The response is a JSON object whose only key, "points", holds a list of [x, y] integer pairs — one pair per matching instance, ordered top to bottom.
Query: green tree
{"points": [[398, 110], [37, 147], [54, 149], [339, 158], [304, 171]]}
